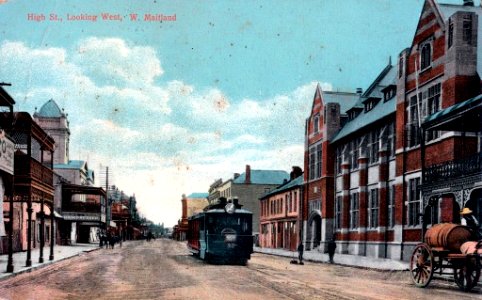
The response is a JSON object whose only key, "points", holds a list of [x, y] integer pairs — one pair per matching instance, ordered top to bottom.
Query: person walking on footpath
{"points": [[301, 248], [331, 248]]}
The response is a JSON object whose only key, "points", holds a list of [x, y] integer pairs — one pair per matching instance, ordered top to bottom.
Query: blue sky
{"points": [[172, 106]]}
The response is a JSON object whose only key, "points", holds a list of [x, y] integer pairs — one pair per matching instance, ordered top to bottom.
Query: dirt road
{"points": [[164, 269]]}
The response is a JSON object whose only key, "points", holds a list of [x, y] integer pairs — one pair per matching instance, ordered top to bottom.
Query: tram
{"points": [[222, 233]]}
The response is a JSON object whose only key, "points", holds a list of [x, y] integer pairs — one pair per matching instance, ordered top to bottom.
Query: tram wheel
{"points": [[421, 265]]}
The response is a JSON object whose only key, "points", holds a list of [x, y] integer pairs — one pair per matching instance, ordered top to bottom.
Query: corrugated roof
{"points": [[447, 10], [50, 110], [381, 110], [264, 177], [298, 181], [198, 195]]}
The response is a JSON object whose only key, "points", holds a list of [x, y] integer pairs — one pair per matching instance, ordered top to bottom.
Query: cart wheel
{"points": [[421, 265], [467, 276]]}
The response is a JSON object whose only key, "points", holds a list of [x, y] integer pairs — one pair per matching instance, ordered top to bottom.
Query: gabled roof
{"points": [[345, 99], [50, 110], [381, 110], [264, 177], [297, 182], [198, 196]]}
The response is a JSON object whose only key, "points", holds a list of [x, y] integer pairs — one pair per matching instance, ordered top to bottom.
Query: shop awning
{"points": [[463, 116]]}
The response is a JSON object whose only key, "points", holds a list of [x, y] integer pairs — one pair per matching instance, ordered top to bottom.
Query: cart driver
{"points": [[469, 220]]}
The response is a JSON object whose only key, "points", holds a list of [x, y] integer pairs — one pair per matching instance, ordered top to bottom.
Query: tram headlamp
{"points": [[230, 208]]}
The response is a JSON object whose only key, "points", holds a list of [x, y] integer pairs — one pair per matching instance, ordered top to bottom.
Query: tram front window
{"points": [[240, 224]]}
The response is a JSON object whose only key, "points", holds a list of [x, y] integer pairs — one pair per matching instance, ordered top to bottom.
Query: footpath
{"points": [[60, 253], [341, 259]]}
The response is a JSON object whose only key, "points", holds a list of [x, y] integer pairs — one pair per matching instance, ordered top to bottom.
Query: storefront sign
{"points": [[7, 149], [80, 217]]}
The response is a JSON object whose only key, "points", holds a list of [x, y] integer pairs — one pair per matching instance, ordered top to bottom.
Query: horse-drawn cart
{"points": [[447, 246]]}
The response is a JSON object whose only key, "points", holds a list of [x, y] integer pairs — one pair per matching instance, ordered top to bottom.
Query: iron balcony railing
{"points": [[454, 169], [81, 207]]}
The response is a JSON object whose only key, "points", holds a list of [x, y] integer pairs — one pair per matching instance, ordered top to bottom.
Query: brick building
{"points": [[442, 67], [325, 120], [406, 155], [248, 187], [191, 205], [280, 214]]}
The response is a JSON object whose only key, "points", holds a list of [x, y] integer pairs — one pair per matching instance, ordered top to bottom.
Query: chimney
{"points": [[468, 3], [359, 91], [296, 172], [236, 175], [247, 180]]}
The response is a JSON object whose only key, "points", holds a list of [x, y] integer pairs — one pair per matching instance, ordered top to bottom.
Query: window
{"points": [[467, 29], [451, 33], [426, 56], [400, 67], [389, 93], [429, 103], [433, 106], [316, 124], [413, 130], [373, 140], [391, 140], [353, 150], [339, 159], [318, 161], [312, 163], [315, 163], [295, 198], [288, 202], [414, 202], [314, 205], [391, 206], [338, 207], [354, 208], [373, 208], [432, 216]]}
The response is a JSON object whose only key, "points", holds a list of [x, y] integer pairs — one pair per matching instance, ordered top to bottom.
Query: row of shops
{"points": [[49, 199]]}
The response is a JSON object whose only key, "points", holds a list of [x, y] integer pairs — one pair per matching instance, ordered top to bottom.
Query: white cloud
{"points": [[114, 62], [159, 140]]}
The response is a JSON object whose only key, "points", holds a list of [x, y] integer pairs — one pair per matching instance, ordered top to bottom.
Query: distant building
{"points": [[248, 187], [191, 205], [84, 213], [280, 214]]}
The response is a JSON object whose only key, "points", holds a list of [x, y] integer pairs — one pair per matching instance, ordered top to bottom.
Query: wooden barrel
{"points": [[448, 236]]}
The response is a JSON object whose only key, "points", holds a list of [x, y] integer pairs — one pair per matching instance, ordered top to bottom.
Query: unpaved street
{"points": [[164, 269]]}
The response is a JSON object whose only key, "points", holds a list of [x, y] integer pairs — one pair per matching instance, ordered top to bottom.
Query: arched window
{"points": [[426, 56]]}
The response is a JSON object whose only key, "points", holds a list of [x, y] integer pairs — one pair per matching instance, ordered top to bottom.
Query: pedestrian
{"points": [[469, 220], [301, 248], [331, 248]]}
